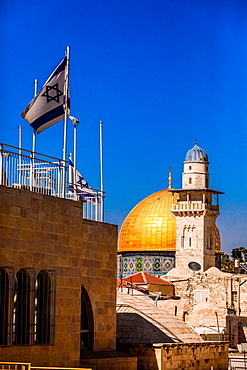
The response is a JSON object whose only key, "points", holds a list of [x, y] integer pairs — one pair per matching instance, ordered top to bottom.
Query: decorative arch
{"points": [[87, 322]]}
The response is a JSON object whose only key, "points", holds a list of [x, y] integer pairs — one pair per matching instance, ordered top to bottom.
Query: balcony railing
{"points": [[23, 169], [195, 206], [28, 366]]}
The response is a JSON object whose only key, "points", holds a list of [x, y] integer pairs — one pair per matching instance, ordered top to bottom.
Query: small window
{"points": [[189, 167], [190, 180], [182, 241], [189, 241], [6, 281], [201, 296], [234, 297], [45, 307], [23, 315]]}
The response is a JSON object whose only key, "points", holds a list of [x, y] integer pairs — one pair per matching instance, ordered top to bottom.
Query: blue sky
{"points": [[160, 74]]}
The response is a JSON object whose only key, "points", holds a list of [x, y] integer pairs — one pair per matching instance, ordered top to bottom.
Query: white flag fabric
{"points": [[47, 108], [79, 184]]}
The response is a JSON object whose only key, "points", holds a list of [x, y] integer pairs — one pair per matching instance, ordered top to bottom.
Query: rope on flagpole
{"points": [[15, 91], [85, 114]]}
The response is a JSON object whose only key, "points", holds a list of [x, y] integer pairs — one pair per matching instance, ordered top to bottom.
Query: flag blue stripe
{"points": [[48, 116]]}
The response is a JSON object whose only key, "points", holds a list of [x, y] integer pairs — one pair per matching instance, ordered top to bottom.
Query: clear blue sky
{"points": [[160, 74]]}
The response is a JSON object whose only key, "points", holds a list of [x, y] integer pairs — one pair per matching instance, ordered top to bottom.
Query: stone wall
{"points": [[44, 233], [224, 290], [236, 330], [186, 356]]}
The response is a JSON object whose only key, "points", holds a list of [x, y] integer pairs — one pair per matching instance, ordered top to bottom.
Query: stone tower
{"points": [[195, 210]]}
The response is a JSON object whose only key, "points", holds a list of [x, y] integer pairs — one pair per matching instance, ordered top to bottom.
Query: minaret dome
{"points": [[196, 154], [195, 175]]}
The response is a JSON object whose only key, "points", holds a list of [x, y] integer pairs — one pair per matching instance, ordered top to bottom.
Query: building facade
{"points": [[57, 277]]}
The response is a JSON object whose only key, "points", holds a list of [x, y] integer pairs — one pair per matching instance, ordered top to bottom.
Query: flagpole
{"points": [[66, 89], [34, 132], [34, 144], [20, 152], [101, 171]]}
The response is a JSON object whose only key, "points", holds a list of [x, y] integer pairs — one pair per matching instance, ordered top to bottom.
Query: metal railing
{"points": [[23, 169], [195, 206], [237, 363], [28, 366]]}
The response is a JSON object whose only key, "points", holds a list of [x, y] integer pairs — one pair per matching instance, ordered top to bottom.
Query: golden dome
{"points": [[150, 226]]}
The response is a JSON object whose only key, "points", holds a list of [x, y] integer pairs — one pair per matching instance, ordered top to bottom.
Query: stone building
{"points": [[173, 227], [57, 278], [213, 302]]}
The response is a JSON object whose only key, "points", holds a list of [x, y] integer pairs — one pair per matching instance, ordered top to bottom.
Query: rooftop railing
{"points": [[23, 169], [195, 206], [28, 366]]}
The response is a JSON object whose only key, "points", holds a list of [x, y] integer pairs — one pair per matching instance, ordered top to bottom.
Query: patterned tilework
{"points": [[151, 264]]}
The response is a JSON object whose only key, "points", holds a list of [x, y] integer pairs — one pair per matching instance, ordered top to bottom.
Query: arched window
{"points": [[6, 294], [45, 307], [23, 317], [87, 327]]}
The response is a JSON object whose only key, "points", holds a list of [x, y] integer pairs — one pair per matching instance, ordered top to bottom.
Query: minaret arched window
{"points": [[6, 294], [45, 307], [23, 315], [87, 326]]}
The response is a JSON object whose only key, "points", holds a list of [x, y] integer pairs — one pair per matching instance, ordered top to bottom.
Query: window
{"points": [[189, 167], [190, 180], [6, 279], [201, 296], [234, 297], [45, 307], [23, 315], [27, 315], [87, 327]]}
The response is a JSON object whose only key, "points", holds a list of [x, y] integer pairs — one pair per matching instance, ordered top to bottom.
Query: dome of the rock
{"points": [[150, 226]]}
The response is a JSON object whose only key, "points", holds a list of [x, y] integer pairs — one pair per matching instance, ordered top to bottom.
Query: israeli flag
{"points": [[47, 108], [78, 184]]}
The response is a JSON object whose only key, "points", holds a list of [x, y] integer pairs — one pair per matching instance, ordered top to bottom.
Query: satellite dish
{"points": [[194, 266]]}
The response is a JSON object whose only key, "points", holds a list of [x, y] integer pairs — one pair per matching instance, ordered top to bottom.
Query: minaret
{"points": [[195, 211]]}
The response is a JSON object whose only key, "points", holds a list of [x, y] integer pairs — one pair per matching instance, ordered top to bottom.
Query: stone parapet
{"points": [[189, 356]]}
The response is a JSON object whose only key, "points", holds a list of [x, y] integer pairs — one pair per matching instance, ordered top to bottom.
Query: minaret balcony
{"points": [[195, 206]]}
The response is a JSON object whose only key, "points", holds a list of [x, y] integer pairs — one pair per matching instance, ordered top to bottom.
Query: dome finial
{"points": [[196, 142], [170, 178]]}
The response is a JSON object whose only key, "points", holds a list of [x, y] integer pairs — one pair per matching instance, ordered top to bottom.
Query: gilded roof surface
{"points": [[150, 226]]}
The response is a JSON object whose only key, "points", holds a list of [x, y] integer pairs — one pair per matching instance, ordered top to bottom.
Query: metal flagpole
{"points": [[66, 91], [34, 132], [34, 143], [20, 152], [101, 171]]}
